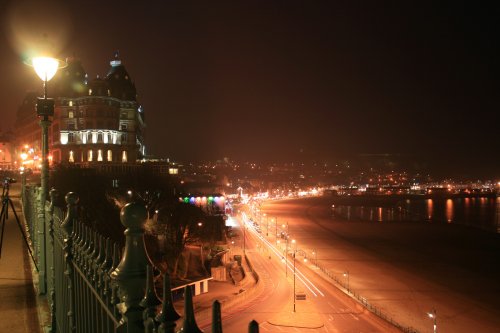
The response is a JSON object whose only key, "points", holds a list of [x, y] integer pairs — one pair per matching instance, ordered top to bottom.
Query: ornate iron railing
{"points": [[92, 287]]}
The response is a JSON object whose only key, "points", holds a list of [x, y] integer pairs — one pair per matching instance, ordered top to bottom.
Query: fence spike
{"points": [[81, 241], [98, 262], [105, 266], [150, 301], [167, 316], [216, 317], [189, 325], [253, 327]]}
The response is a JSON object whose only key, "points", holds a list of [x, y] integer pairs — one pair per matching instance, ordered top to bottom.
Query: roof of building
{"points": [[70, 81], [120, 83]]}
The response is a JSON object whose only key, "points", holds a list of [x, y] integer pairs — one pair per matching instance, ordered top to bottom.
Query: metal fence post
{"points": [[67, 225], [41, 251], [50, 261], [130, 275]]}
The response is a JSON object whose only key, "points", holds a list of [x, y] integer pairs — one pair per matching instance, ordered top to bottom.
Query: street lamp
{"points": [[45, 68], [267, 225], [244, 236], [305, 260], [346, 275], [432, 315]]}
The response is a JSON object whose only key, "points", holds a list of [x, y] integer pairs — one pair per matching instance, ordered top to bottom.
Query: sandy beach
{"points": [[405, 268]]}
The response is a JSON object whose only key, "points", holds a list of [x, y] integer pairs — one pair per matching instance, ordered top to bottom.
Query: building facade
{"points": [[95, 121]]}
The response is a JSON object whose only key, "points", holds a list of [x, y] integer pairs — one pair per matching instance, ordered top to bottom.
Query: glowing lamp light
{"points": [[45, 67]]}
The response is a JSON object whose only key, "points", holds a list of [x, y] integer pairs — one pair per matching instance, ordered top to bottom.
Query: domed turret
{"points": [[71, 80], [120, 84], [98, 87]]}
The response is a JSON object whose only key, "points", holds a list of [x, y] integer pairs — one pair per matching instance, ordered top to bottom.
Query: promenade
{"points": [[18, 310]]}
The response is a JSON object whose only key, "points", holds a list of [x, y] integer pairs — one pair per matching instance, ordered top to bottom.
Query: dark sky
{"points": [[270, 79]]}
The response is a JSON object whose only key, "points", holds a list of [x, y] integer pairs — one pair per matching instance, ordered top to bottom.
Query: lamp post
{"points": [[45, 68], [267, 225], [276, 230], [244, 236], [295, 251], [346, 275], [432, 315]]}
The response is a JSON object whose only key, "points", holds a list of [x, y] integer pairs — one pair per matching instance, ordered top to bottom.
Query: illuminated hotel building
{"points": [[95, 121]]}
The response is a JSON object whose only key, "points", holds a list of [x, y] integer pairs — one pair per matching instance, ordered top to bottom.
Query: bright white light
{"points": [[45, 67]]}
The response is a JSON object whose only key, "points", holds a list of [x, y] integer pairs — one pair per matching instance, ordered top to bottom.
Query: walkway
{"points": [[18, 311]]}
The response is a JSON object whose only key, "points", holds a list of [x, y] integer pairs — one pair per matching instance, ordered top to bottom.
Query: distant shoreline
{"points": [[389, 200]]}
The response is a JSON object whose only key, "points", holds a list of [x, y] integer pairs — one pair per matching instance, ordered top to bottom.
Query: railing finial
{"points": [[72, 202], [130, 275], [168, 316], [216, 317], [189, 325], [253, 327]]}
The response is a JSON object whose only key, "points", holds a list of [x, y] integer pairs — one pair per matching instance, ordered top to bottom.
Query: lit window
{"points": [[90, 92], [70, 103], [70, 114], [64, 138], [99, 155], [71, 156], [89, 156], [110, 156], [124, 156]]}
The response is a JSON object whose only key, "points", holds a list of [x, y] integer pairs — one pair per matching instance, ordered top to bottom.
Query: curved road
{"points": [[327, 309]]}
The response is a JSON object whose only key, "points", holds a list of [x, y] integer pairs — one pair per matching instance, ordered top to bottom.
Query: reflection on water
{"points": [[430, 208], [449, 210], [482, 213]]}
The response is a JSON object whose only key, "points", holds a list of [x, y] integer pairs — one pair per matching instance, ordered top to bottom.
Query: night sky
{"points": [[282, 80]]}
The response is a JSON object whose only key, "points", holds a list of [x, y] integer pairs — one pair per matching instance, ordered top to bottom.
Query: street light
{"points": [[45, 68], [267, 225], [244, 236], [305, 260], [346, 275], [432, 315]]}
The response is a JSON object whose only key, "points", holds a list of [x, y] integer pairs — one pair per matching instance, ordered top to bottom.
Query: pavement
{"points": [[18, 305]]}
